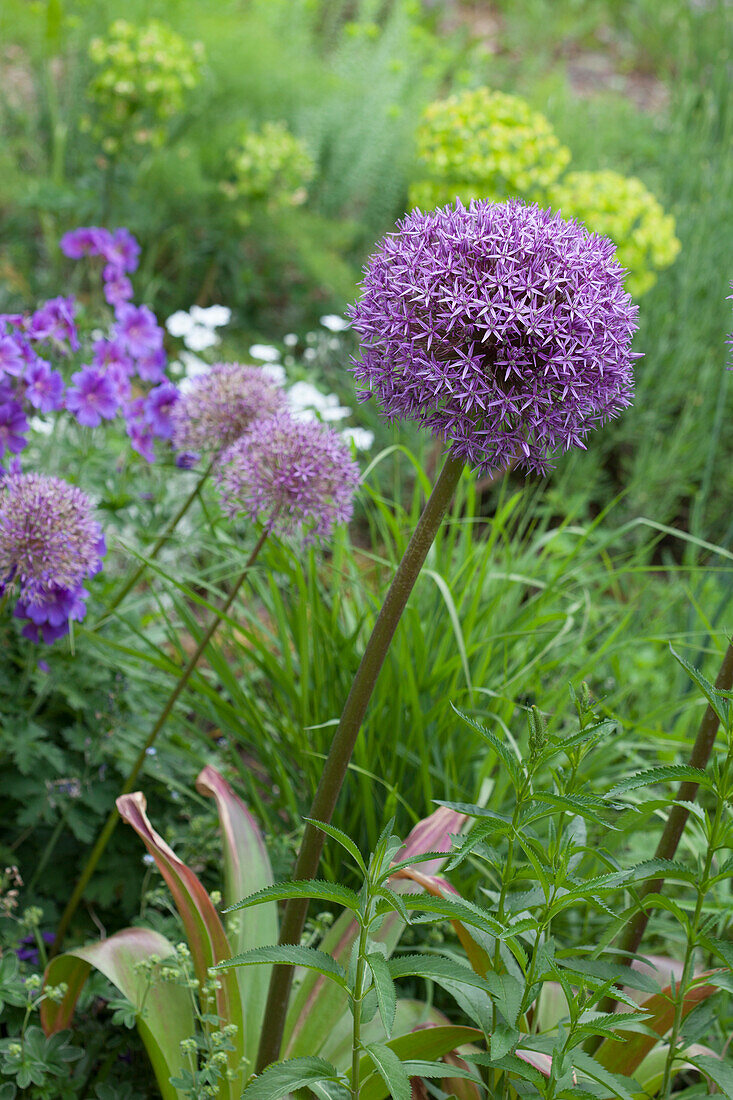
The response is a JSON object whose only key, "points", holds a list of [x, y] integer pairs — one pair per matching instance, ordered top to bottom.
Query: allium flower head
{"points": [[503, 328], [220, 405], [296, 477], [49, 539]]}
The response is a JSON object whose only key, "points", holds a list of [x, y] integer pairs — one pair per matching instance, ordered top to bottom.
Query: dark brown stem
{"points": [[337, 762], [111, 823], [672, 833]]}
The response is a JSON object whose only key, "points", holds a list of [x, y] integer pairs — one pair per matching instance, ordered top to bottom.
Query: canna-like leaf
{"points": [[246, 869], [204, 931], [167, 1016], [625, 1054]]}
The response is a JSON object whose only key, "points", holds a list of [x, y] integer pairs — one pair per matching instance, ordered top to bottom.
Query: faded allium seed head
{"points": [[503, 328], [221, 405], [294, 476], [49, 539]]}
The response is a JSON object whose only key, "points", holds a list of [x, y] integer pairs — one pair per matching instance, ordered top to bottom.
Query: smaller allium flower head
{"points": [[503, 328], [220, 406], [293, 476], [50, 544]]}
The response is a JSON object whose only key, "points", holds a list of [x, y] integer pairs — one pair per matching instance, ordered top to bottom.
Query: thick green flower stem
{"points": [[130, 583], [337, 762], [111, 822], [675, 825]]}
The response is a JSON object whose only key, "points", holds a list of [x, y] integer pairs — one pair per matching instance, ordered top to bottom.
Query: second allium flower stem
{"points": [[130, 583], [186, 673], [342, 747]]}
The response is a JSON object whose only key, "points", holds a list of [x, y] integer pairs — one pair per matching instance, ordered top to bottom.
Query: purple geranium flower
{"points": [[85, 241], [121, 250], [118, 290], [55, 321], [503, 328], [139, 331], [111, 353], [12, 359], [151, 367], [44, 387], [92, 398], [158, 406], [12, 426], [139, 430], [292, 475], [49, 617], [27, 949]]}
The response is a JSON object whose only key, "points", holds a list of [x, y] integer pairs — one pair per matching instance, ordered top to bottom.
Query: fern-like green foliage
{"points": [[143, 75], [485, 144], [622, 208]]}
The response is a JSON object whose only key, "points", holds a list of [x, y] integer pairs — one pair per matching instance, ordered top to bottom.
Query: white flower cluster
{"points": [[196, 328]]}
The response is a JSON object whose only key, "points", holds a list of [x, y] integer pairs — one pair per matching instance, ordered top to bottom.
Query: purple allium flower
{"points": [[85, 241], [121, 251], [118, 289], [55, 321], [503, 328], [139, 331], [12, 360], [151, 367], [44, 387], [92, 398], [221, 404], [158, 407], [12, 426], [292, 475], [49, 544]]}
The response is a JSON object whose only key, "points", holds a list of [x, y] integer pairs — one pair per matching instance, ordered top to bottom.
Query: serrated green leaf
{"points": [[717, 701], [513, 765], [674, 772], [341, 838], [309, 888], [290, 955], [435, 967], [384, 989], [503, 1038], [390, 1069], [719, 1072], [283, 1077], [618, 1085]]}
